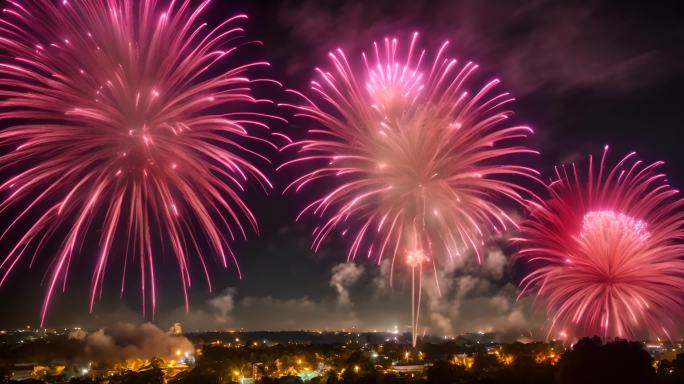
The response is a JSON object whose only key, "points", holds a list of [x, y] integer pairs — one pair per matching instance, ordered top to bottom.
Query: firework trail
{"points": [[112, 125], [419, 163], [608, 250]]}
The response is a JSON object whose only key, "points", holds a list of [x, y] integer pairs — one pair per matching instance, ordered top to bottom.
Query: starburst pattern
{"points": [[116, 128], [608, 250]]}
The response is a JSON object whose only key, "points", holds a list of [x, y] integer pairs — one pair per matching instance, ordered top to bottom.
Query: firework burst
{"points": [[113, 125], [419, 159], [609, 250]]}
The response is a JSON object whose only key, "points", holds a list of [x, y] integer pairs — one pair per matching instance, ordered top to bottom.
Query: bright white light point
{"points": [[174, 166], [610, 224], [416, 257]]}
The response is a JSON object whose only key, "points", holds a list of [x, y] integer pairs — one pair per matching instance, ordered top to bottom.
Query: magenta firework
{"points": [[114, 131], [419, 157], [608, 248]]}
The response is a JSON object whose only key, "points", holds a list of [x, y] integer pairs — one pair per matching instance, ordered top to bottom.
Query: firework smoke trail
{"points": [[112, 114], [420, 163], [608, 250]]}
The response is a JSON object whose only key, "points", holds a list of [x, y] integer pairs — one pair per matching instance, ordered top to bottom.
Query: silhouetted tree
{"points": [[619, 361], [485, 362], [5, 369], [524, 370], [442, 372], [671, 372], [147, 376], [196, 376], [349, 377], [332, 378], [83, 380], [290, 380]]}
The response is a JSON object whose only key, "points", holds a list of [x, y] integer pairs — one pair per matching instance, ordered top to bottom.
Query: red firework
{"points": [[113, 126], [419, 163], [608, 250]]}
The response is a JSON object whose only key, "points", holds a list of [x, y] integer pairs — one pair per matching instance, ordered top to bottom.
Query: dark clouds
{"points": [[535, 45], [585, 73]]}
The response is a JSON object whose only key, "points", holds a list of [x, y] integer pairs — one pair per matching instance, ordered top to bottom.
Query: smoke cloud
{"points": [[344, 275], [476, 297], [222, 305], [228, 311], [127, 341]]}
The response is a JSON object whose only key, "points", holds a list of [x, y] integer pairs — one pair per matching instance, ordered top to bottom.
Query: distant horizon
{"points": [[405, 335]]}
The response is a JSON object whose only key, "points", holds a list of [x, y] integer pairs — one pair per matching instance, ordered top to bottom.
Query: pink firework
{"points": [[114, 130], [419, 160], [609, 250]]}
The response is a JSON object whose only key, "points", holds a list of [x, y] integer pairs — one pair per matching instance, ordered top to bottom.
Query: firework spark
{"points": [[114, 127], [420, 163], [609, 250]]}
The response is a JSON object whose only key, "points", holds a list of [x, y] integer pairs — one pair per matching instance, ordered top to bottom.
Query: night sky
{"points": [[585, 74]]}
